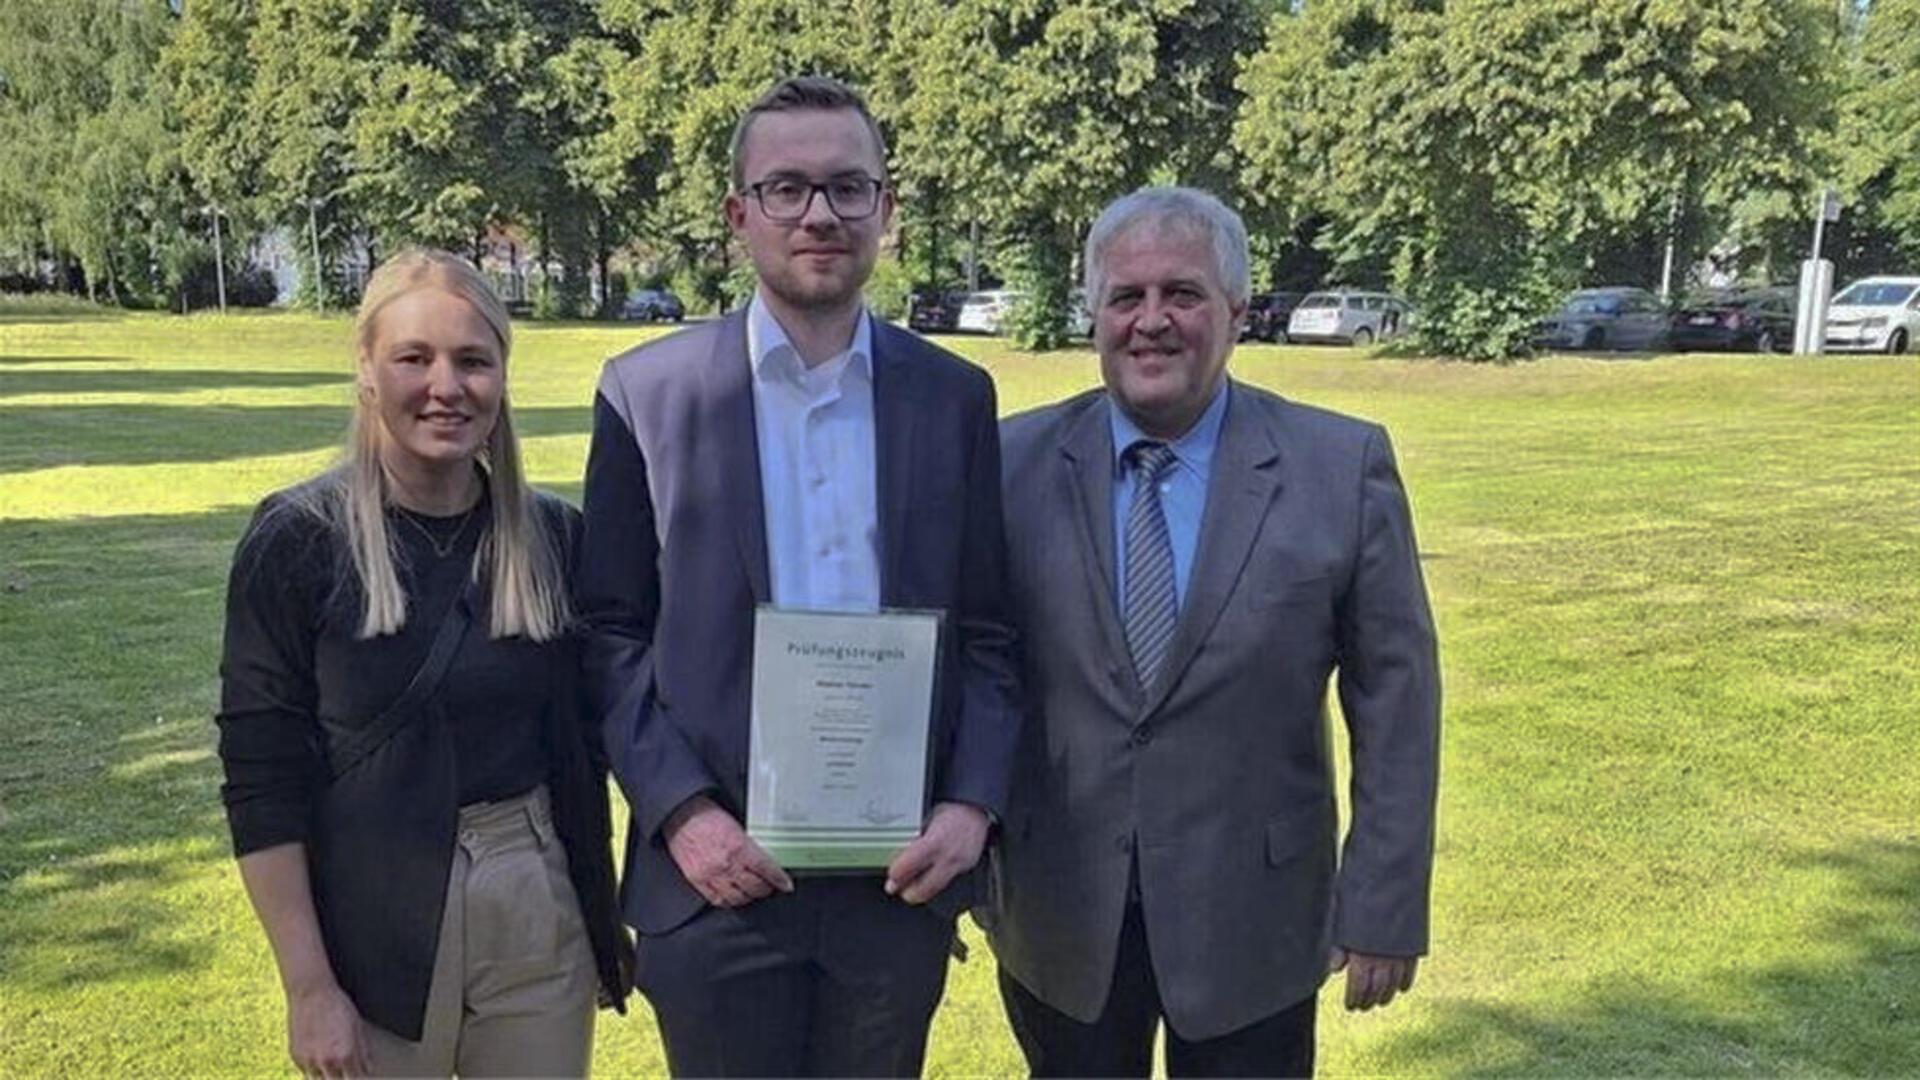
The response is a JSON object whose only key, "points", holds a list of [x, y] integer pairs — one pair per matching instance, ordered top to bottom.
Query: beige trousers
{"points": [[513, 978]]}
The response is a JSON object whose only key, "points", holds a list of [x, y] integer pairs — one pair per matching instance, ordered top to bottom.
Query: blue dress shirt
{"points": [[1183, 491]]}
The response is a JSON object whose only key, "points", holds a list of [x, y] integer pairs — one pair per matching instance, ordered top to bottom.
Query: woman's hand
{"points": [[323, 1034]]}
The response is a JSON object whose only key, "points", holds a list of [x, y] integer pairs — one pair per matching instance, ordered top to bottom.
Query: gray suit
{"points": [[1218, 779]]}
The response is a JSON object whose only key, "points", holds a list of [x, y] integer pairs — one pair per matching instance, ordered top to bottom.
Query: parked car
{"points": [[653, 305], [935, 312], [986, 312], [1878, 314], [1267, 315], [1347, 317], [1615, 317], [1742, 320]]}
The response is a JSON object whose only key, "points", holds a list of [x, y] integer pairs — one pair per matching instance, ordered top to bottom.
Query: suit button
{"points": [[1142, 734], [1124, 843]]}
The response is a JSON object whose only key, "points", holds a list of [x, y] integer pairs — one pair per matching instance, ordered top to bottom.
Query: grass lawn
{"points": [[1679, 603]]}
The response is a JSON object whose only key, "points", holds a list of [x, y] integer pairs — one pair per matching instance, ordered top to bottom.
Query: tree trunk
{"points": [[603, 257]]}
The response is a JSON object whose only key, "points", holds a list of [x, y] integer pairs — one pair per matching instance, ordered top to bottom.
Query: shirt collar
{"points": [[773, 355], [1194, 450]]}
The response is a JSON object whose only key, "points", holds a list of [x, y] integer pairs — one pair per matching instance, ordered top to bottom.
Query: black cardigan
{"points": [[380, 838]]}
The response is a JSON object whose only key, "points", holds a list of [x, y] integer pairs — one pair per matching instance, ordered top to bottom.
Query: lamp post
{"points": [[314, 203], [313, 235], [219, 256], [1816, 284]]}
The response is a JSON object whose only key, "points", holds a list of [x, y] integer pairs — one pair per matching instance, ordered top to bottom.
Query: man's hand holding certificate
{"points": [[951, 844]]}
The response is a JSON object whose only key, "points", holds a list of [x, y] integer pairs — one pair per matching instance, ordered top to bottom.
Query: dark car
{"points": [[653, 305], [935, 312], [1267, 316], [1616, 317], [1751, 320]]}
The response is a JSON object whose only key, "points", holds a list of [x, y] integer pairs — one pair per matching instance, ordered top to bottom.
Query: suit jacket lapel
{"points": [[729, 376], [896, 393], [1087, 450], [1245, 479]]}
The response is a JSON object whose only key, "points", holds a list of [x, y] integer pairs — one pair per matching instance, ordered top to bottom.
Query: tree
{"points": [[690, 70], [208, 75], [1037, 115], [425, 123], [1880, 130], [88, 149], [1489, 150]]}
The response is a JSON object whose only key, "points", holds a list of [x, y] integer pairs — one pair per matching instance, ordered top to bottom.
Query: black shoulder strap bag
{"points": [[353, 748], [383, 839]]}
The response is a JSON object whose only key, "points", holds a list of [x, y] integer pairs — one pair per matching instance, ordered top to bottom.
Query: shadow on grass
{"points": [[76, 315], [1601, 354], [10, 360], [171, 381], [552, 420], [49, 436], [109, 808], [113, 840], [1848, 1008]]}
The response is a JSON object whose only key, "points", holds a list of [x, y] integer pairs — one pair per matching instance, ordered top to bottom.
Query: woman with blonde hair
{"points": [[416, 794]]}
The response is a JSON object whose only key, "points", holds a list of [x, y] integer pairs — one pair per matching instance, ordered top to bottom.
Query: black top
{"points": [[292, 657], [381, 831]]}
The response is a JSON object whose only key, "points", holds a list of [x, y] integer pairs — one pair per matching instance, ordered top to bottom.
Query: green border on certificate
{"points": [[838, 747]]}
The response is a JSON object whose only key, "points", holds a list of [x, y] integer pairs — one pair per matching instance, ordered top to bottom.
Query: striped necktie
{"points": [[1151, 604]]}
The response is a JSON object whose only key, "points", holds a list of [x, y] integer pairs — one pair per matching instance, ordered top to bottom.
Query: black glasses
{"points": [[787, 199]]}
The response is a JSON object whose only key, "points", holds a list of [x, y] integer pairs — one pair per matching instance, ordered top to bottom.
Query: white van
{"points": [[1347, 317]]}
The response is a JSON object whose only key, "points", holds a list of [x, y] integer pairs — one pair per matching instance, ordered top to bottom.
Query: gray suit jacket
{"points": [[674, 560], [1219, 778]]}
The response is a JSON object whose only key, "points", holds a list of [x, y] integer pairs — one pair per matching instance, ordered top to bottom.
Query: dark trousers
{"points": [[834, 979], [1120, 1041]]}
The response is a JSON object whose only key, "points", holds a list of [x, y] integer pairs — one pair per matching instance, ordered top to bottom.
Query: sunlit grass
{"points": [[1679, 601]]}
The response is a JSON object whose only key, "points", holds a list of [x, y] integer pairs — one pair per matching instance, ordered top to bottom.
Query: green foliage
{"points": [[210, 74], [1031, 117], [1880, 125], [1495, 150], [1483, 152], [88, 167], [1040, 267], [890, 287], [558, 296], [17, 305]]}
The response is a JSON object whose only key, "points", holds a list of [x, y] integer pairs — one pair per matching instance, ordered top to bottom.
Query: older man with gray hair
{"points": [[1191, 560]]}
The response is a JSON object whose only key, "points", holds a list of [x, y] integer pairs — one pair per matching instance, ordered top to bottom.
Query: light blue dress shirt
{"points": [[817, 468], [1183, 490]]}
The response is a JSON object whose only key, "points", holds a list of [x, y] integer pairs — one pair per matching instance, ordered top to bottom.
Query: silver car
{"points": [[1347, 317], [1618, 317]]}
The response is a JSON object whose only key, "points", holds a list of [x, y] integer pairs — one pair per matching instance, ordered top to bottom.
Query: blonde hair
{"points": [[516, 554]]}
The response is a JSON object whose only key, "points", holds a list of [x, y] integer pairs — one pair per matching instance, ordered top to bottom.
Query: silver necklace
{"points": [[440, 550]]}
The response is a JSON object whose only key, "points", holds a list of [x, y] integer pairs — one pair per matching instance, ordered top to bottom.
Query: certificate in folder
{"points": [[838, 745]]}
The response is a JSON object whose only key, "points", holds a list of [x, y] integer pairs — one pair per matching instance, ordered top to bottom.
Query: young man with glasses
{"points": [[803, 454]]}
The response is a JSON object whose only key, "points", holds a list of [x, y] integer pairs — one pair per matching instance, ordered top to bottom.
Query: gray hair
{"points": [[1164, 209]]}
